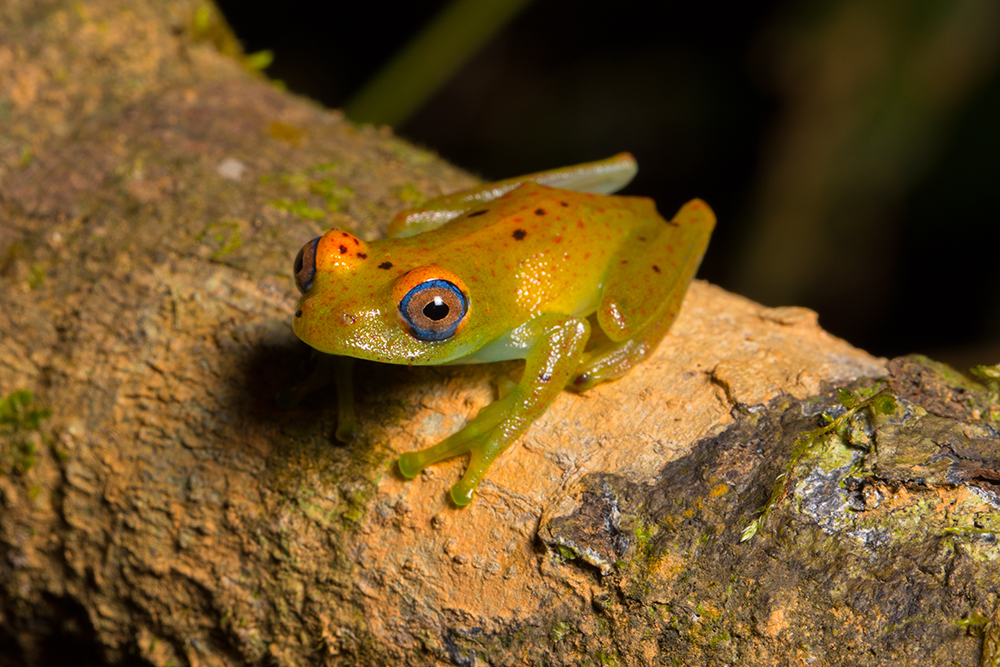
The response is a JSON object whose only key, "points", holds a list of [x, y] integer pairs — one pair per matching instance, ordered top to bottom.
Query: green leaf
{"points": [[986, 372], [847, 398], [884, 404], [750, 530], [975, 619]]}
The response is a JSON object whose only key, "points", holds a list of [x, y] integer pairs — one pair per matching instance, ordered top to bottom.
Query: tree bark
{"points": [[153, 193]]}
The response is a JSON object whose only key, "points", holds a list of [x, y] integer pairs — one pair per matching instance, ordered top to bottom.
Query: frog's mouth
{"points": [[326, 327], [372, 334]]}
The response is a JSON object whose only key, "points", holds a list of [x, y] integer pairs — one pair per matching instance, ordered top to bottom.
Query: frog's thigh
{"points": [[655, 266], [552, 361]]}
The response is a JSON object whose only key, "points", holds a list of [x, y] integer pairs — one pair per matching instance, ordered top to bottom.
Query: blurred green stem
{"points": [[430, 59], [872, 89]]}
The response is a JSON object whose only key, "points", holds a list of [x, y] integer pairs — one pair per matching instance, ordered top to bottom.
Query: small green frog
{"points": [[545, 268]]}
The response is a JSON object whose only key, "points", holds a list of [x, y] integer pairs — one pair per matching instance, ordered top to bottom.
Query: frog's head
{"points": [[356, 302]]}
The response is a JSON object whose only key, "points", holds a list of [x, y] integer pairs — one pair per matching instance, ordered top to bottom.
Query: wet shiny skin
{"points": [[527, 268]]}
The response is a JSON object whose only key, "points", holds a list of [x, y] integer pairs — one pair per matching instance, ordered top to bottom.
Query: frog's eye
{"points": [[305, 266], [434, 309]]}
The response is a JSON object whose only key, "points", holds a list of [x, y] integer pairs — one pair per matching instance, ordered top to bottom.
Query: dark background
{"points": [[850, 148]]}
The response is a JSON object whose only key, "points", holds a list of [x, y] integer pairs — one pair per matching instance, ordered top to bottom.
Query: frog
{"points": [[551, 268]]}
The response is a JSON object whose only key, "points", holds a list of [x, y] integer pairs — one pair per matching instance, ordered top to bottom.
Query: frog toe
{"points": [[348, 428], [411, 463], [479, 463]]}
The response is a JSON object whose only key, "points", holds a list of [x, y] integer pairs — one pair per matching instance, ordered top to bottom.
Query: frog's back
{"points": [[540, 249]]}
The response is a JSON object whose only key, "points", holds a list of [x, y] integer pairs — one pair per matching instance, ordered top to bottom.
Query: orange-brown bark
{"points": [[153, 194]]}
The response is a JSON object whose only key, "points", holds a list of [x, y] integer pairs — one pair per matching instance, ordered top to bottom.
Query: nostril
{"points": [[305, 266]]}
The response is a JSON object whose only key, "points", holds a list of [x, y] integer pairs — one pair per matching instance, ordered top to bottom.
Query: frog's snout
{"points": [[305, 266]]}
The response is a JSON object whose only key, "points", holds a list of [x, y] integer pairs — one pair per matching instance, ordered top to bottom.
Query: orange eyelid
{"points": [[339, 250], [413, 278]]}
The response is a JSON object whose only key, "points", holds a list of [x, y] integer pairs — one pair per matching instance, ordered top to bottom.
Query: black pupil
{"points": [[298, 262], [436, 309]]}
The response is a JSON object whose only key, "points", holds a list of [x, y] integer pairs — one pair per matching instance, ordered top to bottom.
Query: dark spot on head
{"points": [[562, 203], [539, 211], [475, 213], [672, 223], [344, 234], [519, 234], [642, 238], [356, 241], [342, 249], [362, 255], [624, 261], [385, 265], [656, 268], [298, 313]]}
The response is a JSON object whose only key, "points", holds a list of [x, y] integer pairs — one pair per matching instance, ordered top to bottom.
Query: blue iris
{"points": [[434, 309]]}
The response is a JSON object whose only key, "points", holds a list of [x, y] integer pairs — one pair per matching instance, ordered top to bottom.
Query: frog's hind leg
{"points": [[600, 177], [643, 293]]}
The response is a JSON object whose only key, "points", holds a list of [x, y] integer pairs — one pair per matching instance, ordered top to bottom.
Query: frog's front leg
{"points": [[555, 346], [328, 367]]}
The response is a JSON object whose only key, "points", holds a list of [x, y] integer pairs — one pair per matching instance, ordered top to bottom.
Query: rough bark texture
{"points": [[152, 196]]}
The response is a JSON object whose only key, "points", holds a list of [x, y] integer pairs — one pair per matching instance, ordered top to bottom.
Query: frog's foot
{"points": [[557, 345], [612, 360], [347, 425], [479, 437]]}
